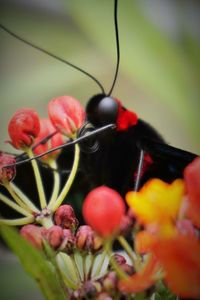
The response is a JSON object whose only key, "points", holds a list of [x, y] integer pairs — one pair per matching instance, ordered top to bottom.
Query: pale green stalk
{"points": [[38, 179], [69, 182], [56, 187], [24, 198], [17, 199], [13, 205], [17, 222], [130, 252], [116, 267]]}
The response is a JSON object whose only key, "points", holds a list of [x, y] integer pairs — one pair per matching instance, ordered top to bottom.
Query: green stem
{"points": [[38, 179], [69, 182], [56, 187], [24, 198], [17, 199], [14, 206], [16, 222], [46, 222], [129, 251], [84, 257], [92, 260], [100, 264], [75, 267], [67, 270], [121, 274]]}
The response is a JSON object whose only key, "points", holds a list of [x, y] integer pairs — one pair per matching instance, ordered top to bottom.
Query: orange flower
{"points": [[157, 202], [172, 243], [180, 259], [142, 280]]}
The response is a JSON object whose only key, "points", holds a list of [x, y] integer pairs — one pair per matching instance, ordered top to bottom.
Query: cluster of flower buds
{"points": [[63, 234]]}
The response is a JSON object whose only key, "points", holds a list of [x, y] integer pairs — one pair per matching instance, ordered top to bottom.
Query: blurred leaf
{"points": [[35, 264]]}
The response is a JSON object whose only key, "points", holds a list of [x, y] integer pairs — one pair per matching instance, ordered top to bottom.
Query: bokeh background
{"points": [[159, 74]]}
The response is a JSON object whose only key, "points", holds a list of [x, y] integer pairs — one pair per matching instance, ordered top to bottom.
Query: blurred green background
{"points": [[159, 74]]}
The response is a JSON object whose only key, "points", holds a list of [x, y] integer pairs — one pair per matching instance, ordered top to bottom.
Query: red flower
{"points": [[66, 114], [24, 126], [47, 128], [6, 174], [192, 181], [103, 210]]}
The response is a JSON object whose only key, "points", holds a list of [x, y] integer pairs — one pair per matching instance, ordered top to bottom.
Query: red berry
{"points": [[66, 114], [23, 127], [103, 210]]}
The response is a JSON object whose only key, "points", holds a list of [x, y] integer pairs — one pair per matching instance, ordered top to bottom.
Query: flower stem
{"points": [[38, 179], [69, 182], [56, 187], [24, 198], [17, 199], [14, 206], [16, 222], [129, 251], [100, 264], [121, 274]]}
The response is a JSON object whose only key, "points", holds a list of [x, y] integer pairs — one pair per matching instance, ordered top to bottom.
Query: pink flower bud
{"points": [[66, 114], [24, 126], [47, 128], [6, 174], [103, 210], [65, 217], [33, 234], [54, 236], [86, 239], [68, 242], [119, 259], [109, 282]]}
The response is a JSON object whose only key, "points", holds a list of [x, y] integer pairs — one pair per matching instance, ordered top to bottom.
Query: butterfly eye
{"points": [[102, 110]]}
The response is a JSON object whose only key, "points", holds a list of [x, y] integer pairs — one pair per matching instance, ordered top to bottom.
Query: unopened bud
{"points": [[23, 127], [6, 173], [65, 217], [33, 234], [54, 236], [86, 239], [68, 242], [119, 259], [110, 281]]}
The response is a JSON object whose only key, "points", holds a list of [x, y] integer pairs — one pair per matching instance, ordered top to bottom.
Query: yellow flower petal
{"points": [[157, 201]]}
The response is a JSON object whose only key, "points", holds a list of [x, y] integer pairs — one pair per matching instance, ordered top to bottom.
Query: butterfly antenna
{"points": [[117, 45], [51, 55]]}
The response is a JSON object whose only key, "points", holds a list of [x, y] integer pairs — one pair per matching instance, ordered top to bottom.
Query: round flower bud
{"points": [[66, 114], [23, 127], [46, 129], [6, 173], [103, 210], [65, 217], [33, 234], [54, 236], [87, 240], [119, 259]]}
